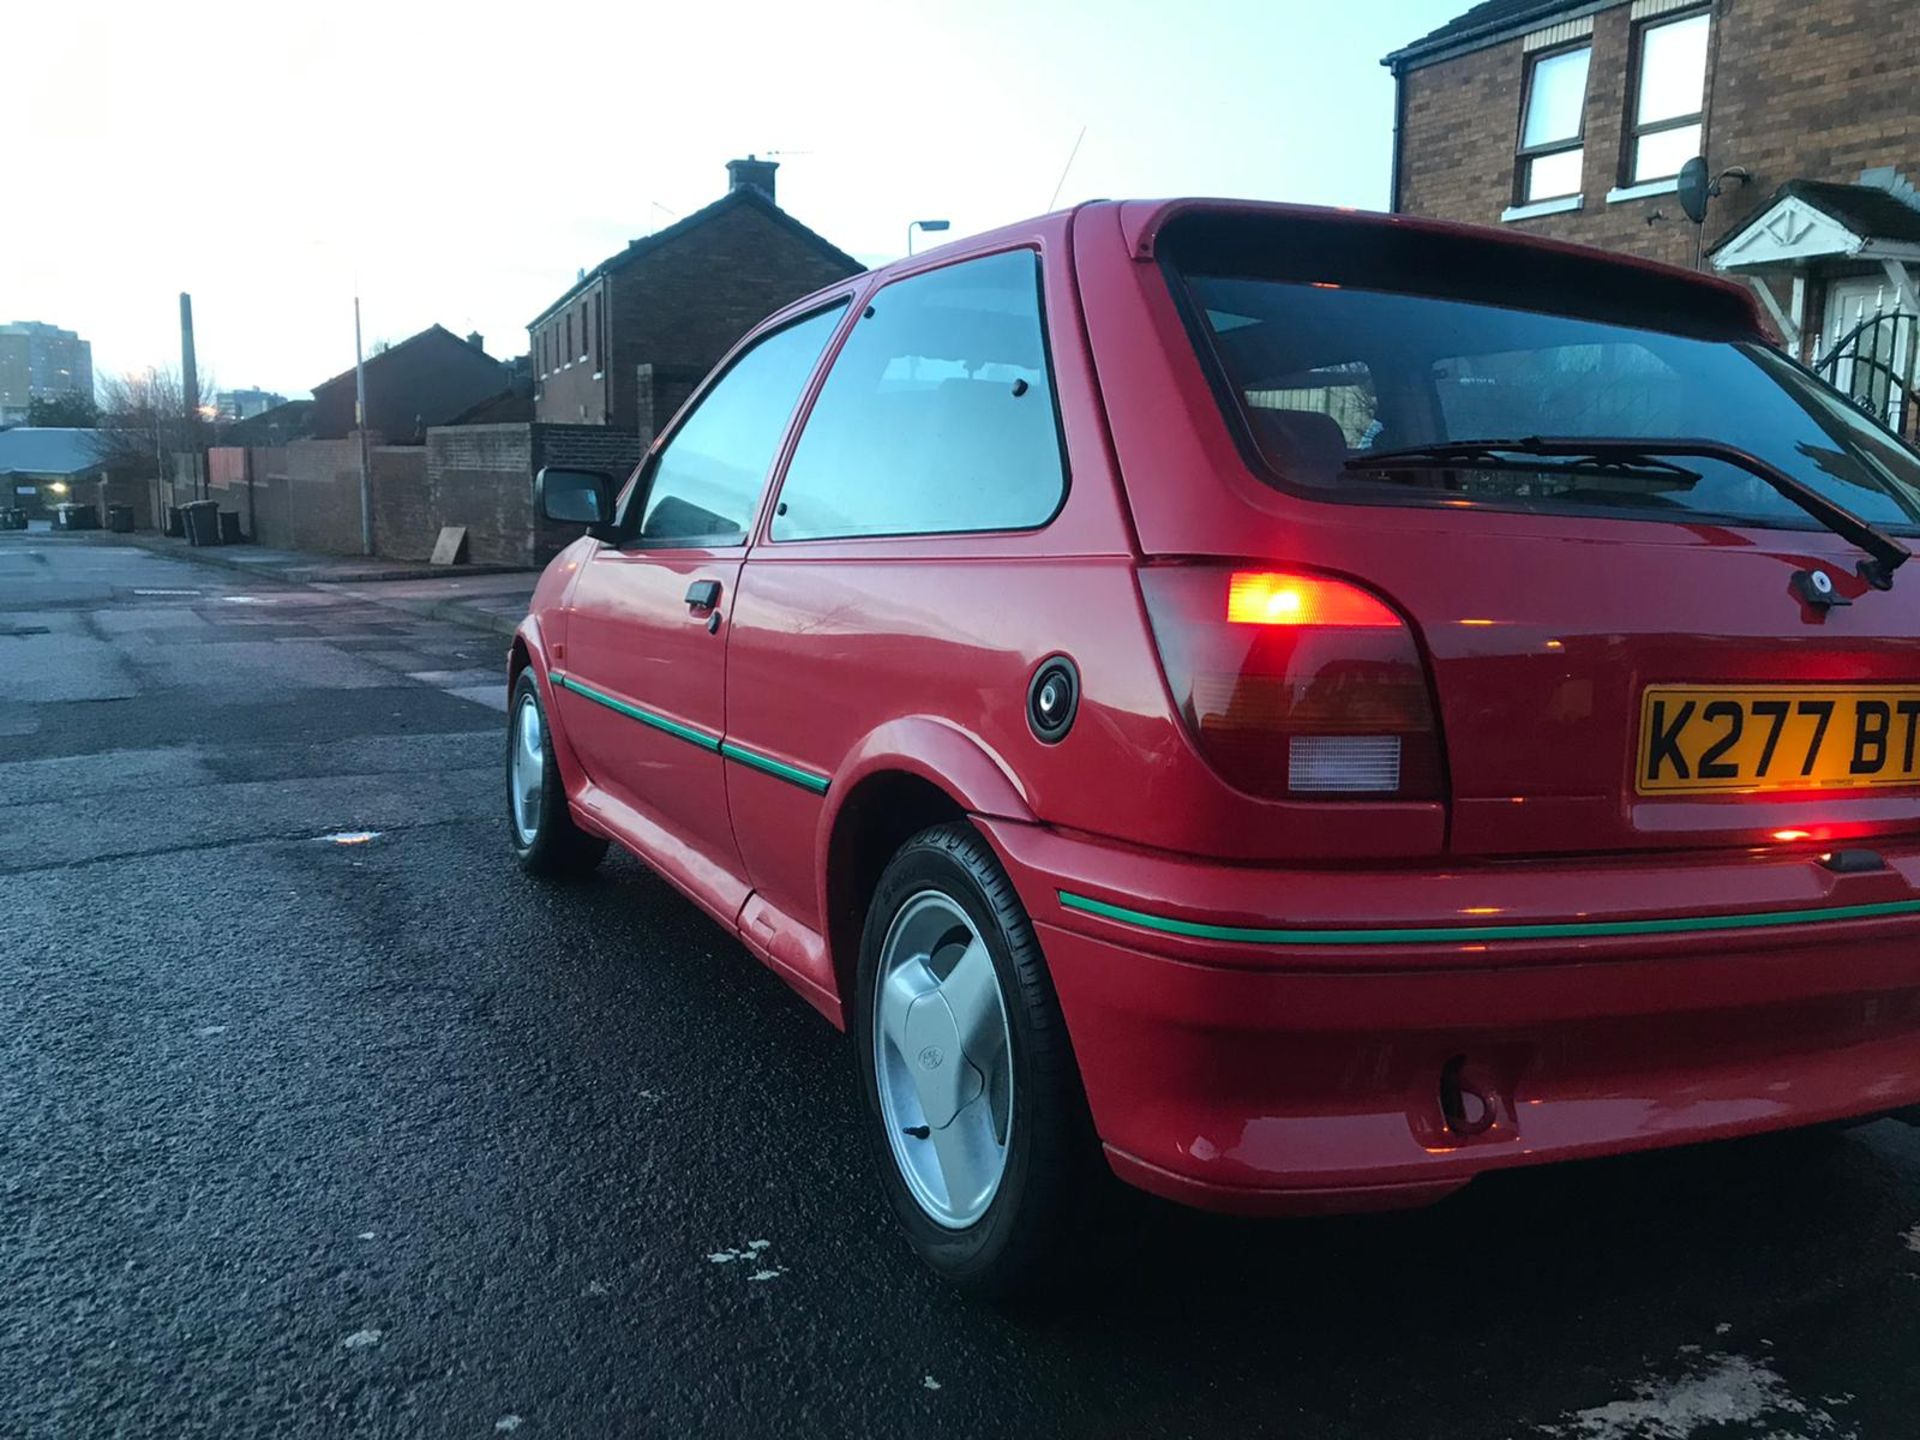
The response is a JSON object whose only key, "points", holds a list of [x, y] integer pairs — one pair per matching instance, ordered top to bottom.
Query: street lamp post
{"points": [[929, 226]]}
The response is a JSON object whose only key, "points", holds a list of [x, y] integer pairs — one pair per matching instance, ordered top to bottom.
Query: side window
{"points": [[938, 415], [706, 482]]}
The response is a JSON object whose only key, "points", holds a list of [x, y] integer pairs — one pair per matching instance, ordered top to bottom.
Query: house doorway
{"points": [[1871, 349]]}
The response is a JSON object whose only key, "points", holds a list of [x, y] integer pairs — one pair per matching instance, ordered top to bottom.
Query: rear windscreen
{"points": [[1330, 360]]}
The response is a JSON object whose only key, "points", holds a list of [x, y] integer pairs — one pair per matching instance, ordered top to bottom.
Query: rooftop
{"points": [[1485, 24], [746, 195], [1869, 211], [380, 357], [47, 450]]}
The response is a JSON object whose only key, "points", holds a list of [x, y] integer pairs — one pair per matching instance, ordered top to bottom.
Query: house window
{"points": [[1669, 96], [1551, 127], [599, 331], [586, 345], [567, 354]]}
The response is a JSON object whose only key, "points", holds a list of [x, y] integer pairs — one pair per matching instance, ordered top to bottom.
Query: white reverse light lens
{"points": [[1343, 764]]}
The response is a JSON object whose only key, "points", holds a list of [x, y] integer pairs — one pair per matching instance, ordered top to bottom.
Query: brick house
{"points": [[1572, 119], [627, 343], [425, 380]]}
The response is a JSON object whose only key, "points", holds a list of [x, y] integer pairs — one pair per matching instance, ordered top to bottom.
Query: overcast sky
{"points": [[463, 162]]}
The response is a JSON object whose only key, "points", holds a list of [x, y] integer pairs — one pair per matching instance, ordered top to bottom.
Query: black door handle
{"points": [[703, 594]]}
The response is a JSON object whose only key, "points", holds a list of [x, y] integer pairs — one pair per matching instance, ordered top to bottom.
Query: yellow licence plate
{"points": [[1798, 737]]}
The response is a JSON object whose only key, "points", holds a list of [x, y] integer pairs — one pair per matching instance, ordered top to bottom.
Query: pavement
{"points": [[489, 597], [317, 1116]]}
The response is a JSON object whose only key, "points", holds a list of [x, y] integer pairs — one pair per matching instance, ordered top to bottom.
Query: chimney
{"points": [[751, 174], [477, 341]]}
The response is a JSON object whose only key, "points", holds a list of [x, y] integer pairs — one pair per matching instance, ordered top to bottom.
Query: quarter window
{"points": [[1669, 95], [1551, 151], [938, 416], [708, 478]]}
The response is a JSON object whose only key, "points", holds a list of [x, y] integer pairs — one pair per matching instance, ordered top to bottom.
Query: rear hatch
{"points": [[1628, 648]]}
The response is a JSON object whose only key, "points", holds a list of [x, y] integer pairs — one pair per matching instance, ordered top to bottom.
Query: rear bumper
{"points": [[1233, 1065]]}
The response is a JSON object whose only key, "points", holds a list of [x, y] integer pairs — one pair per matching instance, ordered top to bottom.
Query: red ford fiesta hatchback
{"points": [[1299, 708]]}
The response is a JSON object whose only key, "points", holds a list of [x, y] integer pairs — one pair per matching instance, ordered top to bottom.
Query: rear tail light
{"points": [[1295, 685]]}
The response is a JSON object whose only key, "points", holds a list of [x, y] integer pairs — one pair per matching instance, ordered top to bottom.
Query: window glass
{"points": [[1673, 70], [1556, 99], [1662, 153], [1552, 176], [1475, 369], [938, 415], [708, 478]]}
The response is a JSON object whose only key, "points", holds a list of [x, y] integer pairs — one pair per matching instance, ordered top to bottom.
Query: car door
{"points": [[898, 577], [642, 687]]}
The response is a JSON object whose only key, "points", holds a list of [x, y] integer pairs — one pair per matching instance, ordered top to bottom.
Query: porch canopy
{"points": [[1812, 227]]}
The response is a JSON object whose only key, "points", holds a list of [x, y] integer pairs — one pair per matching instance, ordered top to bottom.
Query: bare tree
{"points": [[145, 422]]}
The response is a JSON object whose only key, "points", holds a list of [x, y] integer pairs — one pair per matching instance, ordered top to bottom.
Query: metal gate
{"points": [[1876, 360]]}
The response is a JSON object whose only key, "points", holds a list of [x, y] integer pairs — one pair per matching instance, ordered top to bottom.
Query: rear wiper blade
{"points": [[1493, 455], [1885, 554]]}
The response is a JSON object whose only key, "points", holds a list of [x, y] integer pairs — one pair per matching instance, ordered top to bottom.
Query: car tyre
{"points": [[539, 824], [1002, 1238]]}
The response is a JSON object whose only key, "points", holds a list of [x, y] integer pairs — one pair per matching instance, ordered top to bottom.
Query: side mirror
{"points": [[575, 497]]}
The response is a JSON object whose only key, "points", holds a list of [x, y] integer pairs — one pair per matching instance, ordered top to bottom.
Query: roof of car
{"points": [[1142, 222]]}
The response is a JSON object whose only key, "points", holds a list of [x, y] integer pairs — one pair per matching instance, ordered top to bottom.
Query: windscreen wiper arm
{"points": [[1492, 455], [1885, 554]]}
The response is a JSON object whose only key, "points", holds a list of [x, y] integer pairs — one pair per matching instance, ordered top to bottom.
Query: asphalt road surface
{"points": [[299, 1135]]}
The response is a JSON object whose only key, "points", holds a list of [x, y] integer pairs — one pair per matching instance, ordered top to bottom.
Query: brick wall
{"points": [[1814, 89], [574, 387], [659, 392], [588, 447], [481, 476], [306, 496], [404, 526]]}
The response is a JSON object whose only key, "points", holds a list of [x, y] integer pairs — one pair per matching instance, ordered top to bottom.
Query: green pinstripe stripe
{"points": [[645, 717], [792, 774], [1450, 934]]}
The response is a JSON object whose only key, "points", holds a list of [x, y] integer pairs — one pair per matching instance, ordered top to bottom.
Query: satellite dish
{"points": [[1696, 188]]}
